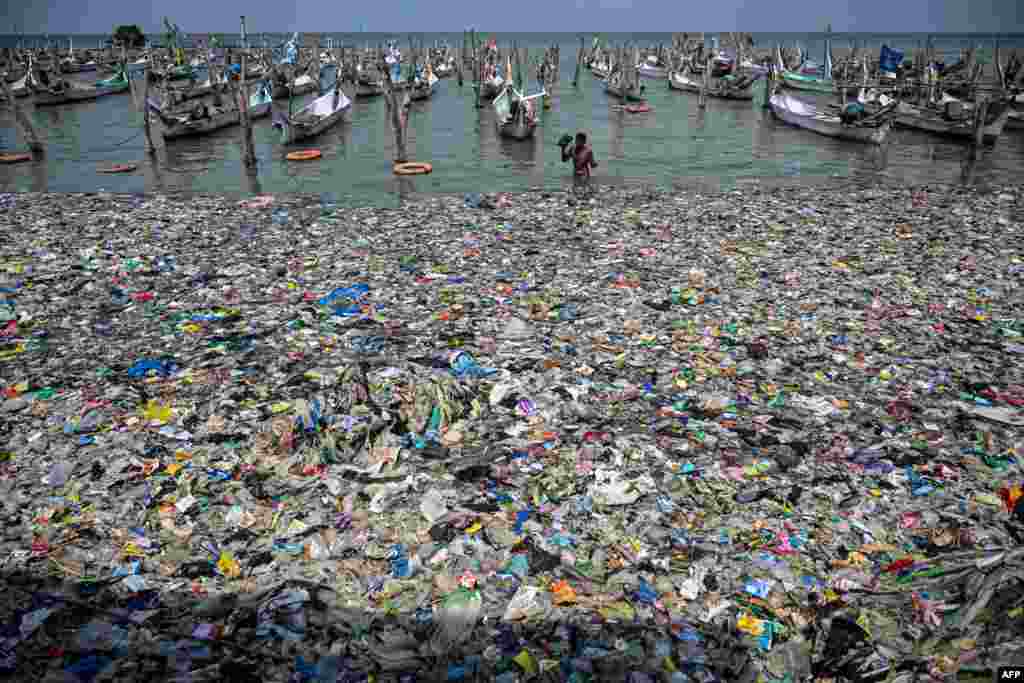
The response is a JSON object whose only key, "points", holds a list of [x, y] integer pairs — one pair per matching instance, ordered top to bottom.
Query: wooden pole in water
{"points": [[579, 63], [702, 100], [398, 103], [980, 114], [150, 147], [248, 155]]}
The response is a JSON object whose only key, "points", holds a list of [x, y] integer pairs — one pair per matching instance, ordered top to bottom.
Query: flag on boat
{"points": [[291, 52], [889, 59]]}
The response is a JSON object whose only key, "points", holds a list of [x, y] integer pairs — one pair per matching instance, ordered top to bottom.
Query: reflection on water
{"points": [[677, 144], [252, 182]]}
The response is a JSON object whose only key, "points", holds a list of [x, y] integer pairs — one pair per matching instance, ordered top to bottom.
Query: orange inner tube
{"points": [[638, 108], [304, 155], [14, 158], [118, 168], [413, 168]]}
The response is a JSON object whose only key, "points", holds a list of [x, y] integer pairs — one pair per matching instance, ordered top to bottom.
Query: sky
{"points": [[571, 16]]}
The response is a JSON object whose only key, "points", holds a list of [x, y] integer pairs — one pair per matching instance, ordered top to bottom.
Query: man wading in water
{"points": [[582, 159]]}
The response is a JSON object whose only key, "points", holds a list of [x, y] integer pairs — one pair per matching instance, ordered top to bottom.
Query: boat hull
{"points": [[654, 72], [794, 81], [684, 84], [19, 88], [369, 89], [490, 89], [283, 92], [188, 94], [418, 94], [71, 95], [630, 95], [259, 111], [908, 116], [829, 126], [191, 129], [293, 131], [517, 131]]}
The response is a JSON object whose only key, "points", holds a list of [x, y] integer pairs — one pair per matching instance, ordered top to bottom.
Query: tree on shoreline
{"points": [[129, 36]]}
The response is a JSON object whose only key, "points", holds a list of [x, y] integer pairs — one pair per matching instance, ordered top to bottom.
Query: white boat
{"points": [[600, 69], [651, 69], [19, 88], [795, 112], [516, 114], [314, 118], [953, 118]]}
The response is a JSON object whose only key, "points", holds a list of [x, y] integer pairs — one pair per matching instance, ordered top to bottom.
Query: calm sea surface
{"points": [[676, 145]]}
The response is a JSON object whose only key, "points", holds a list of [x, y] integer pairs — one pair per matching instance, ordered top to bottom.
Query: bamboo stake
{"points": [[702, 99], [980, 114], [150, 148], [248, 155]]}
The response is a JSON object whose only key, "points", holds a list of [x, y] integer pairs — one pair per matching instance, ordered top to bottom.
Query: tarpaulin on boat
{"points": [[889, 59]]}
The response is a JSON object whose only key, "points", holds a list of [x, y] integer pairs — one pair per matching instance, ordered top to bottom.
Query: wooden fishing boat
{"points": [[70, 66], [179, 72], [796, 80], [300, 86], [424, 86], [615, 86], [491, 87], [369, 88], [725, 88], [65, 92], [175, 96], [795, 112], [516, 114], [316, 117], [952, 119], [200, 121], [1015, 121]]}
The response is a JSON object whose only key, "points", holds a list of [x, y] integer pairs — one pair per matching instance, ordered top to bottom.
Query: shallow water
{"points": [[678, 144]]}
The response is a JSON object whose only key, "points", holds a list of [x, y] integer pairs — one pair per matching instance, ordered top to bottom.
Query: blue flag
{"points": [[889, 60]]}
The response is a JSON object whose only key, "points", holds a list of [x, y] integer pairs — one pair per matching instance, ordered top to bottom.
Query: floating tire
{"points": [[305, 155], [14, 158], [118, 168], [413, 168]]}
